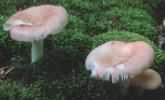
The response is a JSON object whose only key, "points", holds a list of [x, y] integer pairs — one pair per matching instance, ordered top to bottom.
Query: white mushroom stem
{"points": [[36, 50]]}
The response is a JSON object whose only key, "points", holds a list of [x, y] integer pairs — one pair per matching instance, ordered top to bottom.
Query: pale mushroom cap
{"points": [[36, 22], [120, 58], [142, 58], [149, 80]]}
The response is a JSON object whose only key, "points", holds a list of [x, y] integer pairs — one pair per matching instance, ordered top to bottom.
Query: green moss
{"points": [[127, 3], [7, 7], [125, 19], [133, 20], [75, 24], [3, 34], [120, 36], [72, 39], [160, 56], [78, 86], [12, 90]]}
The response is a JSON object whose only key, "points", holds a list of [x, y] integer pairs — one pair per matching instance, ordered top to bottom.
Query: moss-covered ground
{"points": [[61, 74]]}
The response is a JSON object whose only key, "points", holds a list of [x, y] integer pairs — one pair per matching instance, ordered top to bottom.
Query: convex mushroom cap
{"points": [[36, 23], [118, 60]]}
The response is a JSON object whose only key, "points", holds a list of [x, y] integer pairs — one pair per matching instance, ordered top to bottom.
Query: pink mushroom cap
{"points": [[36, 23], [117, 59]]}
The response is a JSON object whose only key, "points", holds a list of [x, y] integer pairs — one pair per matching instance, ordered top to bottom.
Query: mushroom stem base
{"points": [[36, 51]]}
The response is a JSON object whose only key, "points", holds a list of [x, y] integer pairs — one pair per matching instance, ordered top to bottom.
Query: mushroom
{"points": [[34, 24], [117, 60], [149, 80]]}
